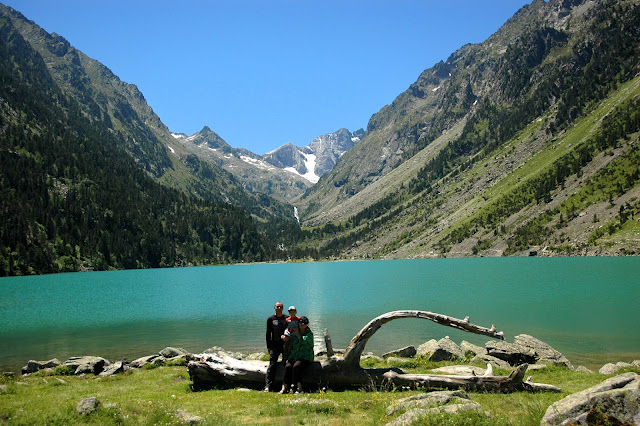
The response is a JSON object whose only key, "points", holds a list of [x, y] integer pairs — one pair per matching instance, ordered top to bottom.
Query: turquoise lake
{"points": [[587, 308]]}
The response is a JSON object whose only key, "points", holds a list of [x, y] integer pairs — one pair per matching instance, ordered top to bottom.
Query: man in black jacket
{"points": [[276, 324]]}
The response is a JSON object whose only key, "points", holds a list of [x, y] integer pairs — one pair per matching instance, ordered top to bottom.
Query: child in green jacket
{"points": [[300, 358]]}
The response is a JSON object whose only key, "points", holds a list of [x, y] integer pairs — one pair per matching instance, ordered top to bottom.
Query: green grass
{"points": [[154, 396]]}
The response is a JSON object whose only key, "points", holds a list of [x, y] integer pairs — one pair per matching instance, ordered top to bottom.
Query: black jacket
{"points": [[275, 329]]}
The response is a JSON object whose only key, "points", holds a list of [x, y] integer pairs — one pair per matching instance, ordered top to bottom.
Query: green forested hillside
{"points": [[496, 143], [527, 143], [71, 198]]}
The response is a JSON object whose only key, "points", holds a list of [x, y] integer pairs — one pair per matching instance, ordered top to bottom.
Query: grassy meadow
{"points": [[157, 395]]}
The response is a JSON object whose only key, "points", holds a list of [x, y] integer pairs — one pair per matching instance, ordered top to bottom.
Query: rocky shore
{"points": [[616, 398]]}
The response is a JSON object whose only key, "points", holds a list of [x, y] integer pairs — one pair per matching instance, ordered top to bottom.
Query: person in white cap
{"points": [[289, 334]]}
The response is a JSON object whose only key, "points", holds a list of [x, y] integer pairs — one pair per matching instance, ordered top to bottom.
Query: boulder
{"points": [[427, 348], [217, 350], [442, 350], [471, 350], [170, 352], [406, 352], [543, 352], [512, 353], [371, 356], [177, 360], [140, 362], [495, 362], [87, 364], [33, 366], [115, 368], [612, 368], [583, 369], [617, 399], [428, 400], [432, 402], [87, 405]]}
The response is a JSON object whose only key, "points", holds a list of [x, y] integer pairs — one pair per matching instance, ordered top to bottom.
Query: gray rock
{"points": [[427, 348], [469, 349], [442, 350], [218, 351], [170, 352], [406, 352], [543, 352], [512, 353], [376, 357], [178, 360], [140, 362], [495, 362], [636, 363], [87, 364], [33, 366], [115, 368], [612, 368], [583, 369], [4, 388], [618, 397], [428, 400], [433, 402], [87, 405], [414, 416], [185, 417]]}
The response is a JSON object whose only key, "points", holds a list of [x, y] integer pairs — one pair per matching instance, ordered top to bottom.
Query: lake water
{"points": [[587, 308]]}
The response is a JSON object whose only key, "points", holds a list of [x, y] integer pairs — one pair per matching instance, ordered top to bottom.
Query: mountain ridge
{"points": [[551, 65], [285, 172]]}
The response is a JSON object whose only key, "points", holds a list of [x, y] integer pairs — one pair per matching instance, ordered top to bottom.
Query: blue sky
{"points": [[262, 73]]}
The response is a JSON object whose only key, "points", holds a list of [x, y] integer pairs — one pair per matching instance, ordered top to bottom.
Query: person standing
{"points": [[276, 325], [292, 325], [301, 356]]}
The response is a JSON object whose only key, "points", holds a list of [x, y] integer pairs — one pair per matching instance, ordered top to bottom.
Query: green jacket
{"points": [[302, 347]]}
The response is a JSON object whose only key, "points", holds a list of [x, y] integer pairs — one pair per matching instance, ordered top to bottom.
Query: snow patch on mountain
{"points": [[256, 162], [310, 164]]}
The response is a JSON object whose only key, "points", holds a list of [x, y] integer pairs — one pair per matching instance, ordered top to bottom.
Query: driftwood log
{"points": [[219, 370]]}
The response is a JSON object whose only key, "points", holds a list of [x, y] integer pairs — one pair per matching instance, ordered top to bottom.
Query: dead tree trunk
{"points": [[356, 347], [214, 370]]}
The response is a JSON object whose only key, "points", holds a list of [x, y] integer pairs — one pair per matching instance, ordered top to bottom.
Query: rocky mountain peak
{"points": [[316, 159]]}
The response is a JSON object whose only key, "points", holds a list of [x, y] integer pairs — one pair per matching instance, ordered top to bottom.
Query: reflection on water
{"points": [[583, 307]]}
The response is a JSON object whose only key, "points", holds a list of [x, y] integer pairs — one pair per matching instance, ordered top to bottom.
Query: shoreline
{"points": [[593, 361]]}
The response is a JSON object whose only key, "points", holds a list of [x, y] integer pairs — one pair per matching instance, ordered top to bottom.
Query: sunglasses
{"points": [[279, 307]]}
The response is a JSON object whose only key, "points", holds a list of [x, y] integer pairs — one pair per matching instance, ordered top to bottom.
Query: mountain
{"points": [[104, 98], [525, 143], [316, 159], [81, 165], [249, 169], [285, 173]]}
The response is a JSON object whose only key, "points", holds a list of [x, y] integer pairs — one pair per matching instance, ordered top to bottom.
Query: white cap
{"points": [[292, 308]]}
